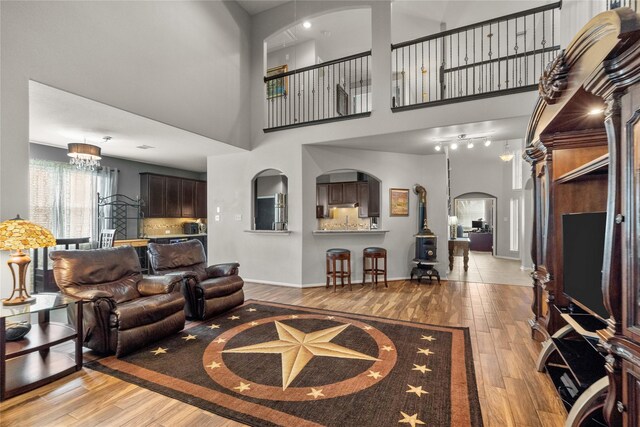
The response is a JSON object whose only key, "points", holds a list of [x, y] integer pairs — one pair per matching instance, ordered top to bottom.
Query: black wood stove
{"points": [[426, 242]]}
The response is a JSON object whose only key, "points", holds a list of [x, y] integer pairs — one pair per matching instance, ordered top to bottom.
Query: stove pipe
{"points": [[423, 228]]}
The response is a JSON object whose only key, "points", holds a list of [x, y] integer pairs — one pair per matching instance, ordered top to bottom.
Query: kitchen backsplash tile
{"points": [[344, 219], [159, 226]]}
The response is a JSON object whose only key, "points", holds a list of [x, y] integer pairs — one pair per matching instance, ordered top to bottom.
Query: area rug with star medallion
{"points": [[269, 364]]}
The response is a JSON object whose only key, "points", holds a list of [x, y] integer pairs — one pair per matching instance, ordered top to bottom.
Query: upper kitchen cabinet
{"points": [[152, 193], [362, 193], [188, 196], [172, 197], [374, 198], [201, 199]]}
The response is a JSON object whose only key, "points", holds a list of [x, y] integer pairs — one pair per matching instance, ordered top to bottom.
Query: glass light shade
{"points": [[506, 155], [84, 156], [17, 234]]}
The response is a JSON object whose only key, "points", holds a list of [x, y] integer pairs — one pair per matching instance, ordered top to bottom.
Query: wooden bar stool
{"points": [[373, 255], [333, 273]]}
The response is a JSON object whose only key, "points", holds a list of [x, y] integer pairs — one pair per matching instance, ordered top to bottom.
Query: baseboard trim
{"points": [[507, 257], [314, 285]]}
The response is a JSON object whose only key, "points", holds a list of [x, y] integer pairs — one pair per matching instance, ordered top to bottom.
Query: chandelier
{"points": [[506, 155], [85, 156]]}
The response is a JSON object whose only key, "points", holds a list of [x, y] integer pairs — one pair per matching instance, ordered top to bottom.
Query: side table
{"points": [[461, 243], [30, 362]]}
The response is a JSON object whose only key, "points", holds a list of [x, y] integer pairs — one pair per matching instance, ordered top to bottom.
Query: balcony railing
{"points": [[614, 4], [490, 58], [333, 90]]}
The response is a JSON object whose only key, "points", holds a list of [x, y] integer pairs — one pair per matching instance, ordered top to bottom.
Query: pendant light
{"points": [[506, 155]]}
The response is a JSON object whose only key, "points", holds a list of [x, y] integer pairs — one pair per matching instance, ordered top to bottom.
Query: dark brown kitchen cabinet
{"points": [[349, 192], [152, 193], [335, 194], [188, 195], [172, 197], [201, 199], [363, 199], [374, 199], [173, 200], [322, 201]]}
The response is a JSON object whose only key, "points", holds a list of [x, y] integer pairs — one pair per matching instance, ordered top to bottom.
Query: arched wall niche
{"points": [[269, 197], [347, 199]]}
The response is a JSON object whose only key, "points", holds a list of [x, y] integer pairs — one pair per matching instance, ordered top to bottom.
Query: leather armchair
{"points": [[209, 290], [123, 309]]}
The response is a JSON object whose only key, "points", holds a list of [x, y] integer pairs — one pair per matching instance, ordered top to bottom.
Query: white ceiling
{"points": [[256, 6], [331, 31], [57, 118], [423, 141]]}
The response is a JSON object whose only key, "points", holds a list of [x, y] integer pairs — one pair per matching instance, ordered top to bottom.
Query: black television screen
{"points": [[477, 224], [583, 251]]}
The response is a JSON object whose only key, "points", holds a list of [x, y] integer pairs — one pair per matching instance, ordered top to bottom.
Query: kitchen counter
{"points": [[350, 231], [174, 236], [131, 242]]}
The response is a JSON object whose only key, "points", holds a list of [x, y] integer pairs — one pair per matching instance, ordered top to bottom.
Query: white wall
{"points": [[297, 56], [182, 63], [394, 171], [489, 174], [275, 258], [297, 259]]}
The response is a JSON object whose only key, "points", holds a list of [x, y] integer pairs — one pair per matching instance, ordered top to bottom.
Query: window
{"points": [[516, 170], [64, 199], [514, 225]]}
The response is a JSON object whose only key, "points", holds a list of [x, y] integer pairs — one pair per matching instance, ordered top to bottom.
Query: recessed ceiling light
{"points": [[306, 24], [596, 111], [487, 142], [454, 145], [144, 147], [438, 147]]}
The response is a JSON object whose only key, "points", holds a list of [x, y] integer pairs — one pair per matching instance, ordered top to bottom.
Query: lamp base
{"points": [[20, 295], [18, 300]]}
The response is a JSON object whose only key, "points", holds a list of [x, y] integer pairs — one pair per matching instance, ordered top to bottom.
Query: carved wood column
{"points": [[611, 273]]}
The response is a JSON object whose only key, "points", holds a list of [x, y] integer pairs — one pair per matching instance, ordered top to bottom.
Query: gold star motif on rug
{"points": [[251, 310], [293, 316], [233, 317], [330, 317], [254, 323], [214, 326], [366, 328], [189, 337], [428, 338], [220, 340], [298, 348], [387, 348], [159, 350], [424, 351], [214, 365], [421, 368], [374, 375], [242, 387], [417, 390], [315, 393], [411, 420]]}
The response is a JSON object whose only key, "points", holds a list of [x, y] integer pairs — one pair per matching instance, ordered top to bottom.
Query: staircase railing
{"points": [[614, 4], [490, 58], [334, 90]]}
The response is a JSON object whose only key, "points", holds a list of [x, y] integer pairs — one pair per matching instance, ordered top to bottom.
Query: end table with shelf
{"points": [[31, 362]]}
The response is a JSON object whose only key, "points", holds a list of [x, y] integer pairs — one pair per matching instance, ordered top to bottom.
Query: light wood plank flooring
{"points": [[511, 392]]}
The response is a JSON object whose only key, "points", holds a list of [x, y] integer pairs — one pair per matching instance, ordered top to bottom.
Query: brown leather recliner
{"points": [[209, 290], [123, 310]]}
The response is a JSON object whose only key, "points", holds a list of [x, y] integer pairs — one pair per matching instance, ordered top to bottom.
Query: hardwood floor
{"points": [[511, 392]]}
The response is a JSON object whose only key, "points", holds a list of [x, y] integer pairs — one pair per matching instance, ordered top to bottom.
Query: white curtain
{"points": [[64, 198]]}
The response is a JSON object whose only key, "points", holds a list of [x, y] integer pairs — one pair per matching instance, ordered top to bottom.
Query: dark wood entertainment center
{"points": [[585, 158]]}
